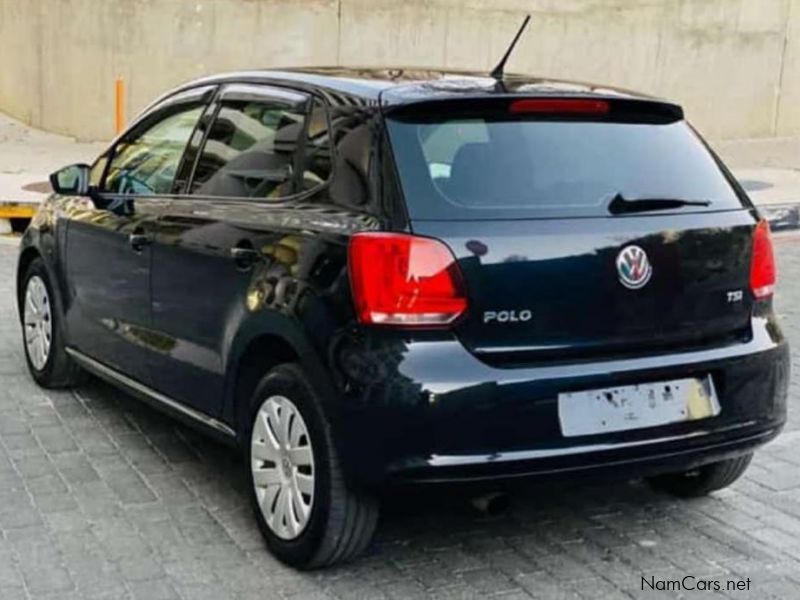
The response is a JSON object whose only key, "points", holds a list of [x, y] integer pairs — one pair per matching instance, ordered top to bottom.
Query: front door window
{"points": [[146, 164]]}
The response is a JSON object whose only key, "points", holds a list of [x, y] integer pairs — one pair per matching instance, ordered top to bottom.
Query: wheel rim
{"points": [[38, 318], [282, 462]]}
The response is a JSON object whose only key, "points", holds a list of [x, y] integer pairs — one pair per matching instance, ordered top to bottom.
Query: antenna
{"points": [[497, 72]]}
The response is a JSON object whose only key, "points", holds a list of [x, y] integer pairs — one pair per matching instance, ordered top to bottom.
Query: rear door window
{"points": [[252, 148], [511, 166]]}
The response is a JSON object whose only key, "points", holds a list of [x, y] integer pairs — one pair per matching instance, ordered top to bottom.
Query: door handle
{"points": [[138, 241], [245, 257]]}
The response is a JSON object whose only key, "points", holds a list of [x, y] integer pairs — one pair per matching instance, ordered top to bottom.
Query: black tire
{"points": [[59, 371], [702, 480], [343, 519]]}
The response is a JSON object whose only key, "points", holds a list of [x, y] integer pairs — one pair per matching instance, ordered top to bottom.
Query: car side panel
{"points": [[108, 283], [207, 305]]}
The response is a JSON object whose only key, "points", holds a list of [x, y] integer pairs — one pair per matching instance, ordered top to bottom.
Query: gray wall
{"points": [[734, 64]]}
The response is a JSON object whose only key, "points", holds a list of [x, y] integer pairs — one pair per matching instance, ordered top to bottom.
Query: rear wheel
{"points": [[42, 330], [702, 480], [309, 515]]}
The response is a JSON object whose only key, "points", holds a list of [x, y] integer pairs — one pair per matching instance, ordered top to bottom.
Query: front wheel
{"points": [[43, 331], [702, 480], [308, 514]]}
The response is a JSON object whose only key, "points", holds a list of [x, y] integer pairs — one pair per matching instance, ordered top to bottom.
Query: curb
{"points": [[17, 210]]}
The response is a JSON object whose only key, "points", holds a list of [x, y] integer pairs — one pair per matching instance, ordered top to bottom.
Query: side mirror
{"points": [[71, 181]]}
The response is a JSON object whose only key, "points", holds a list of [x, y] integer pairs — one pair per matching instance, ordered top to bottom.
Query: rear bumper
{"points": [[428, 410], [623, 459]]}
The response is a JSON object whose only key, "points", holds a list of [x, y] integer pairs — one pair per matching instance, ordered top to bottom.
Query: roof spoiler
{"points": [[545, 107]]}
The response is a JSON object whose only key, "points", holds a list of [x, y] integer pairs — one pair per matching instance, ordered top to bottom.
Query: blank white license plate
{"points": [[636, 406]]}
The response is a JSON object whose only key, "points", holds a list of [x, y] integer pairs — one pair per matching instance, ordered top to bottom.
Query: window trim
{"points": [[244, 92]]}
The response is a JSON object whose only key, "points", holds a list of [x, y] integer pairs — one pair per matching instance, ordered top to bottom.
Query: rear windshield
{"points": [[468, 167]]}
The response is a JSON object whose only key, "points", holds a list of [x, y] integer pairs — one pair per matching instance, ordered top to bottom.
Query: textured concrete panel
{"points": [[734, 64], [788, 117]]}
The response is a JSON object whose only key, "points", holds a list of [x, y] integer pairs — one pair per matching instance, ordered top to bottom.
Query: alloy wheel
{"points": [[38, 319], [282, 463]]}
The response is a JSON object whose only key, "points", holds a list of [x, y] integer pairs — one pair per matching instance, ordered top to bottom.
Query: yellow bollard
{"points": [[119, 105]]}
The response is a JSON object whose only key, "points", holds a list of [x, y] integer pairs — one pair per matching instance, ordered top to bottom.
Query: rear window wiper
{"points": [[620, 205]]}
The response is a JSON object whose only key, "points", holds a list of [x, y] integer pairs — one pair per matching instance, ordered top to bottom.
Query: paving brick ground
{"points": [[103, 498]]}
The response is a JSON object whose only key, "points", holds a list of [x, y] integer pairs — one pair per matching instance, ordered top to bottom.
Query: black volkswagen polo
{"points": [[364, 277]]}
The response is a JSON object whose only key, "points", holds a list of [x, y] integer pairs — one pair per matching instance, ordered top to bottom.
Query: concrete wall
{"points": [[734, 64]]}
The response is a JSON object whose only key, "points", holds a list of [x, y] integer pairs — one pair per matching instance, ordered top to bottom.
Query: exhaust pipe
{"points": [[492, 504]]}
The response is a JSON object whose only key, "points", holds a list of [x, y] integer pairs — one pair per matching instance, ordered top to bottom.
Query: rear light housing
{"points": [[763, 273], [405, 281]]}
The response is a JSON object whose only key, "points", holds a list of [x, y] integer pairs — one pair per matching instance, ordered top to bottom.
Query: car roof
{"points": [[402, 85]]}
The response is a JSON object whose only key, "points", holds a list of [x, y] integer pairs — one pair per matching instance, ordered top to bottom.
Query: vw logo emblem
{"points": [[633, 267]]}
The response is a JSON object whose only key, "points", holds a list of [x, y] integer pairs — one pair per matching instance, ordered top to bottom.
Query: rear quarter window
{"points": [[503, 166]]}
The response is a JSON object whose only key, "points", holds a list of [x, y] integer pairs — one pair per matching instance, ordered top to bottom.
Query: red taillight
{"points": [[579, 106], [762, 268], [404, 280]]}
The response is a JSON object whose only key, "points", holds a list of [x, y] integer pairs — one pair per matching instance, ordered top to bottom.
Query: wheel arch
{"points": [[40, 241], [26, 257], [261, 353], [254, 356]]}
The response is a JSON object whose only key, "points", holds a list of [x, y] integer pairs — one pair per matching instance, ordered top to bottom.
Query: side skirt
{"points": [[155, 399]]}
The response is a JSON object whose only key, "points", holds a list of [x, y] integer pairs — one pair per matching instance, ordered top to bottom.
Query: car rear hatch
{"points": [[584, 227]]}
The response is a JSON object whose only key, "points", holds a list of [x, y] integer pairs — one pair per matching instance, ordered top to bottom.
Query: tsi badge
{"points": [[507, 316]]}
